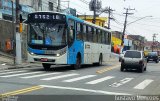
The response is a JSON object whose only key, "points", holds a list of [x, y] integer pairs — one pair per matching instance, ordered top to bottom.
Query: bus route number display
{"points": [[48, 17]]}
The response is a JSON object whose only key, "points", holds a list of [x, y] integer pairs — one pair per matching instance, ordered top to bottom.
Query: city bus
{"points": [[62, 39]]}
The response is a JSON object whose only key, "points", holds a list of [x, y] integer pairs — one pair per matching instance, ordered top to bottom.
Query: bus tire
{"points": [[100, 60], [78, 62], [46, 66]]}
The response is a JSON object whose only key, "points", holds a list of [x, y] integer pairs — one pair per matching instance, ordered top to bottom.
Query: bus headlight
{"points": [[32, 53], [57, 54]]}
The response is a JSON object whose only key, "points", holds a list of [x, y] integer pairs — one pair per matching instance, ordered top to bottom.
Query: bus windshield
{"points": [[52, 34]]}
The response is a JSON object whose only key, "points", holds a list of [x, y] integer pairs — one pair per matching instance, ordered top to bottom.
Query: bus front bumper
{"points": [[47, 59]]}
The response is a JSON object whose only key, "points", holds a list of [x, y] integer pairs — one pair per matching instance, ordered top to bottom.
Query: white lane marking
{"points": [[11, 72], [13, 75], [40, 75], [57, 77], [79, 78], [100, 80], [121, 82], [143, 84], [85, 90]]}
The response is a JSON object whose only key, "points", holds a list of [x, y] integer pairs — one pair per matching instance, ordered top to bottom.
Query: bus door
{"points": [[71, 37]]}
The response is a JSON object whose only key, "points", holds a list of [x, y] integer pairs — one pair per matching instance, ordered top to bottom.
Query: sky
{"points": [[146, 10]]}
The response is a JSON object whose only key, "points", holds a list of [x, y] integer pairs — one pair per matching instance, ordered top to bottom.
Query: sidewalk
{"points": [[7, 62]]}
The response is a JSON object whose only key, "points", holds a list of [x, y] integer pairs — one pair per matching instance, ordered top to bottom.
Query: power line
{"points": [[85, 2]]}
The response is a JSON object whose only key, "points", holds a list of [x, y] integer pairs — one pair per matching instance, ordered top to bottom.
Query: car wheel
{"points": [[157, 61], [46, 66], [122, 68], [141, 69]]}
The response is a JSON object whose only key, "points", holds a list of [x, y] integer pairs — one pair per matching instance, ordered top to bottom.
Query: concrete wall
{"points": [[6, 33]]}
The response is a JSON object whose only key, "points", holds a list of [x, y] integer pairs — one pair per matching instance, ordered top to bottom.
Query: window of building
{"points": [[50, 6]]}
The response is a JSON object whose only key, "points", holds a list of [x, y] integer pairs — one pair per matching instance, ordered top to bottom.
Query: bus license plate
{"points": [[44, 59]]}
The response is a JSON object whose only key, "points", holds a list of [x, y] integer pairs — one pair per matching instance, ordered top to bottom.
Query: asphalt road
{"points": [[62, 82]]}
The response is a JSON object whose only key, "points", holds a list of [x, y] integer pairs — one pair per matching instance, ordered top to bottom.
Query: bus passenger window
{"points": [[71, 32], [79, 32], [84, 33], [99, 36]]}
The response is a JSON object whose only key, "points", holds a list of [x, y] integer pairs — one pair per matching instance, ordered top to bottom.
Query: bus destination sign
{"points": [[46, 16]]}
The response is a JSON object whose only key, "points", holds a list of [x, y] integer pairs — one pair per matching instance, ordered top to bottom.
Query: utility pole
{"points": [[59, 6], [94, 6], [94, 11], [109, 16], [125, 23], [13, 35], [18, 36], [154, 40]]}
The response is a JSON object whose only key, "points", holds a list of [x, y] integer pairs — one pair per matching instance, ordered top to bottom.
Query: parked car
{"points": [[121, 56], [153, 56], [134, 59]]}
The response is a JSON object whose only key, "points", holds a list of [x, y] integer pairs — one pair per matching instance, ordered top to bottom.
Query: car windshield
{"points": [[132, 54], [152, 54]]}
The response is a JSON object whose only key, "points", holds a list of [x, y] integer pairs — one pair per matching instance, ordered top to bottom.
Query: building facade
{"points": [[26, 6], [100, 21], [138, 42]]}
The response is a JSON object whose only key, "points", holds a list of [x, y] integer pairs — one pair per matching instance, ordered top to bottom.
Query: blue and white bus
{"points": [[55, 38]]}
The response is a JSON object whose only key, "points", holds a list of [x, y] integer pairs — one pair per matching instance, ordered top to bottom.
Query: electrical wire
{"points": [[85, 2]]}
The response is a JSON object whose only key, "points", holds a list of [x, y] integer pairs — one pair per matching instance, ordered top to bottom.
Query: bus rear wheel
{"points": [[100, 60], [78, 63], [46, 66]]}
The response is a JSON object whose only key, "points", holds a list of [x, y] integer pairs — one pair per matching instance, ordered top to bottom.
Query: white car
{"points": [[121, 56]]}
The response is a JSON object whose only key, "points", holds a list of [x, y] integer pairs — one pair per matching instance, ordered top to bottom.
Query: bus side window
{"points": [[71, 31], [79, 31], [87, 32], [84, 33], [90, 34], [99, 36], [103, 37], [107, 38], [95, 39]]}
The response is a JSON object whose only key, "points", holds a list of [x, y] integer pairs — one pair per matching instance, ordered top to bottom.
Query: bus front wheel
{"points": [[78, 63], [46, 66]]}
